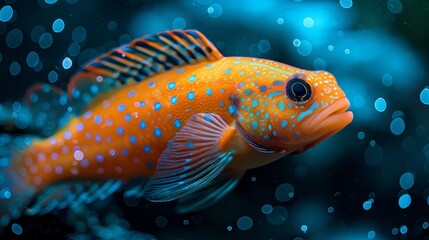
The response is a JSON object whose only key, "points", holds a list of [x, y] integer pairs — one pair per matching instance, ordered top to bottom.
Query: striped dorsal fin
{"points": [[142, 58]]}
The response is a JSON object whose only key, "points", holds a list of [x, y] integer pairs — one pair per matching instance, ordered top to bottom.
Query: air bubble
{"points": [[346, 3], [394, 6], [215, 10], [6, 13], [280, 21], [308, 22], [179, 23], [58, 25], [112, 25], [79, 34], [14, 38], [45, 40], [296, 42], [264, 46], [305, 48], [330, 48], [32, 59], [67, 63], [319, 64], [14, 68], [52, 76], [424, 96], [380, 104], [397, 126], [361, 135], [373, 155], [406, 181], [284, 192], [404, 201], [267, 209], [278, 216], [161, 221], [244, 223], [17, 229], [371, 234]]}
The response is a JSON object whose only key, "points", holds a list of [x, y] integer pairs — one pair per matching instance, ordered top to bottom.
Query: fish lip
{"points": [[331, 119]]}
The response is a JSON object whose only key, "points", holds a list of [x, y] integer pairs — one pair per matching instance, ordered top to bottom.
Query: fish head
{"points": [[287, 109]]}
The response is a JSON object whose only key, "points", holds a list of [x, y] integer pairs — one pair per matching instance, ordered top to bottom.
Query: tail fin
{"points": [[15, 192]]}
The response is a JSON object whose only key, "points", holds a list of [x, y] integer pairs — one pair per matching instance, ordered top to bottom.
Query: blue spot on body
{"points": [[180, 70], [228, 71], [192, 78], [151, 84], [171, 85], [263, 88], [209, 91], [247, 92], [131, 93], [276, 93], [191, 96], [173, 100], [255, 103], [221, 104], [157, 106], [281, 106], [121, 107], [313, 107], [231, 109], [127, 117], [177, 123], [284, 123], [142, 124], [255, 124], [79, 127], [120, 130], [157, 132], [67, 135], [266, 137], [97, 138], [133, 139], [146, 149]]}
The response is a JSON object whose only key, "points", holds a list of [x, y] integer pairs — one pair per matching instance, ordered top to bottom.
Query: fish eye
{"points": [[298, 90]]}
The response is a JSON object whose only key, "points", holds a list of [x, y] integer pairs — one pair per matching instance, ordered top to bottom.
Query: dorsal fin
{"points": [[151, 54]]}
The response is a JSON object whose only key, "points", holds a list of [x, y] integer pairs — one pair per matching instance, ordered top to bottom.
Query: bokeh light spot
{"points": [[346, 3], [394, 6], [215, 10], [6, 13], [280, 21], [308, 22], [179, 23], [58, 25], [14, 38], [45, 40], [264, 46], [305, 48], [32, 59], [67, 63], [14, 68], [387, 79], [424, 96], [380, 104], [397, 126], [373, 155], [406, 181], [284, 192], [404, 201], [267, 209], [278, 216], [244, 223], [17, 229], [371, 234]]}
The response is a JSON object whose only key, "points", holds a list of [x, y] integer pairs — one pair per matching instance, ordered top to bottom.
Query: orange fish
{"points": [[166, 117]]}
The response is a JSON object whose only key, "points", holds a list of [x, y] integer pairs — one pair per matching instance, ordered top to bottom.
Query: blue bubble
{"points": [[50, 1], [346, 3], [394, 6], [215, 10], [6, 13], [280, 21], [308, 22], [179, 23], [58, 25], [112, 25], [36, 32], [79, 34], [14, 38], [45, 40], [296, 42], [264, 46], [305, 48], [330, 48], [74, 49], [347, 51], [32, 59], [67, 63], [319, 64], [14, 68], [52, 76], [387, 79], [424, 96], [380, 104], [397, 126], [361, 135], [373, 155], [406, 181], [284, 192], [404, 201], [367, 205], [267, 209], [330, 209], [278, 216], [161, 221], [244, 223], [425, 225], [304, 228], [17, 229], [403, 229], [395, 231], [371, 234]]}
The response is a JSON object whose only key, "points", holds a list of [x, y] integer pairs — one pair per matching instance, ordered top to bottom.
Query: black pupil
{"points": [[298, 90]]}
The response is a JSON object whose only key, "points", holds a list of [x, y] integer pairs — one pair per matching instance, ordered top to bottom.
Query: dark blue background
{"points": [[376, 49]]}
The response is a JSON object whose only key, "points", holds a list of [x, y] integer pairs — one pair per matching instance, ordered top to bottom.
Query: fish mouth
{"points": [[328, 121]]}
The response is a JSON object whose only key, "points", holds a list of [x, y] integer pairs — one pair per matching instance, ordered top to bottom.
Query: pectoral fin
{"points": [[192, 159]]}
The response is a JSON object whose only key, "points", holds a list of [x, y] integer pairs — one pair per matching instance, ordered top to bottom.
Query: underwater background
{"points": [[369, 181]]}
